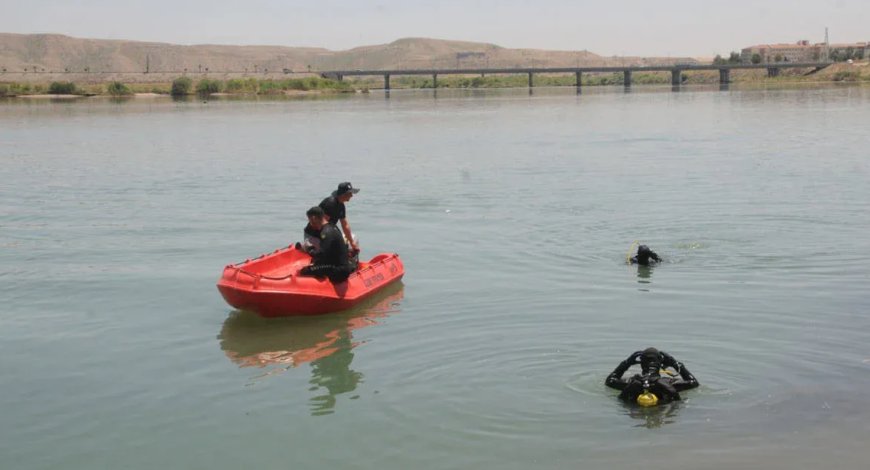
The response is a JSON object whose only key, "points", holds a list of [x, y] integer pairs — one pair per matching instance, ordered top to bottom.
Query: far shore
{"points": [[34, 86]]}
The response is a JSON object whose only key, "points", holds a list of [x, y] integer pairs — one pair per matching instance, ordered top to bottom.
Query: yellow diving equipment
{"points": [[646, 399]]}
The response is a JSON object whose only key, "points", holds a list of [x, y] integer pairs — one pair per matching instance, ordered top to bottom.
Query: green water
{"points": [[512, 213]]}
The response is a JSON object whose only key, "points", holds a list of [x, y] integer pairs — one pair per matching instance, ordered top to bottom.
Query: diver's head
{"points": [[643, 255], [651, 362]]}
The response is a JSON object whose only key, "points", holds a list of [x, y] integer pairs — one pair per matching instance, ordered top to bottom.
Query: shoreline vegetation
{"points": [[314, 85]]}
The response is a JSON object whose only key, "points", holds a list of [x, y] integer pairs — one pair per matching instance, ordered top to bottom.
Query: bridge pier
{"points": [[772, 72], [724, 76], [676, 77], [626, 78], [531, 80], [579, 80], [435, 81], [387, 82]]}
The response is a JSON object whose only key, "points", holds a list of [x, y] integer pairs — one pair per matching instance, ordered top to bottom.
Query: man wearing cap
{"points": [[333, 206], [649, 388]]}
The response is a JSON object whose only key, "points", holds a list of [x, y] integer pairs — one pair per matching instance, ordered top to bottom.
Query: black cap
{"points": [[344, 188]]}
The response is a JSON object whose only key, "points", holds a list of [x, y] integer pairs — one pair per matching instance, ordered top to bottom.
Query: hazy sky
{"points": [[616, 27]]}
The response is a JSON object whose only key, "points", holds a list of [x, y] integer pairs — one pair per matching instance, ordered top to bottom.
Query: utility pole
{"points": [[827, 48], [147, 63]]}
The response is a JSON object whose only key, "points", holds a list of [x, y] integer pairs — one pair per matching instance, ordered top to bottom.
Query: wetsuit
{"points": [[645, 256], [332, 261], [665, 388]]}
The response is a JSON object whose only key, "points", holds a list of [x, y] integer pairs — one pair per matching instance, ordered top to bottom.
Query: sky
{"points": [[699, 28]]}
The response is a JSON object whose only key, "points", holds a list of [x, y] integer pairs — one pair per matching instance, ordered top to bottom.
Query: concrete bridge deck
{"points": [[675, 69]]}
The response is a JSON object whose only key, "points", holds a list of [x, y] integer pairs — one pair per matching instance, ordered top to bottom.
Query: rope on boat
{"points": [[273, 278]]}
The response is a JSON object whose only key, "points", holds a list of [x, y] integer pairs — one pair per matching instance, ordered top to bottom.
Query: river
{"points": [[512, 212]]}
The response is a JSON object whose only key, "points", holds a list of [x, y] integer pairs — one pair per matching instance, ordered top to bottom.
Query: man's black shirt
{"points": [[333, 208]]}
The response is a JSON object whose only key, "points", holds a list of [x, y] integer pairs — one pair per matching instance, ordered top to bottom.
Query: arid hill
{"points": [[57, 53]]}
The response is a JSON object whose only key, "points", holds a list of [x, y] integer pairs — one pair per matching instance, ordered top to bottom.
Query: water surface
{"points": [[513, 214]]}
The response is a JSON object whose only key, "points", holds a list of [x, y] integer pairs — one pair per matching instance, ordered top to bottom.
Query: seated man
{"points": [[311, 232], [645, 256], [332, 260], [650, 388]]}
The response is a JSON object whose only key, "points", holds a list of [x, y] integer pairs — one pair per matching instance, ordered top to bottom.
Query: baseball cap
{"points": [[346, 187]]}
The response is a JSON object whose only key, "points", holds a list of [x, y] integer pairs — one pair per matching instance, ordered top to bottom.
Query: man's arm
{"points": [[348, 235], [669, 361], [614, 380], [688, 380]]}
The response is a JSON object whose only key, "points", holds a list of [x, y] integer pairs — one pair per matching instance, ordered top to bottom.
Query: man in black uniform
{"points": [[333, 206], [311, 232], [645, 256], [332, 260], [650, 388]]}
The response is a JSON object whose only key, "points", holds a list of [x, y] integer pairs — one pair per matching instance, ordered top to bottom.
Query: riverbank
{"points": [[80, 85], [179, 86]]}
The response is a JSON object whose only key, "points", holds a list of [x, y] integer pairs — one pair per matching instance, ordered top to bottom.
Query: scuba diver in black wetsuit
{"points": [[645, 256], [333, 260], [649, 388]]}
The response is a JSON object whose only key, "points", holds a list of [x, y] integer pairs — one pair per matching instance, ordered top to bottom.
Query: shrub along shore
{"points": [[183, 86]]}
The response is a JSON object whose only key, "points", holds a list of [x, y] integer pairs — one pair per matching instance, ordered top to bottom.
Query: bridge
{"points": [[676, 70]]}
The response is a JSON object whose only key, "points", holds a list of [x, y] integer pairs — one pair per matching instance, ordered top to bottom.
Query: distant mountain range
{"points": [[59, 53]]}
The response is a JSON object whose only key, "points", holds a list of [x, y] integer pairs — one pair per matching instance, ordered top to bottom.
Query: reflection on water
{"points": [[644, 274], [325, 341], [332, 371], [652, 417]]}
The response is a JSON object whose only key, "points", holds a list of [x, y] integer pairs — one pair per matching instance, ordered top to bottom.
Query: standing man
{"points": [[333, 206]]}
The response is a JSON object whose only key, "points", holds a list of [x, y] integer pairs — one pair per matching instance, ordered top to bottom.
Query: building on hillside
{"points": [[857, 50], [803, 51]]}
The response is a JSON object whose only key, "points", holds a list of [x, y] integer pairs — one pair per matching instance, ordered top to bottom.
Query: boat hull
{"points": [[272, 287]]}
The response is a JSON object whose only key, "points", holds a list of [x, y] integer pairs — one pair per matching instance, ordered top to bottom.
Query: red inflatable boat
{"points": [[272, 287]]}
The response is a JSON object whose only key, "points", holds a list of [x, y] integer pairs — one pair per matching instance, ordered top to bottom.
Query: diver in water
{"points": [[645, 256], [649, 388]]}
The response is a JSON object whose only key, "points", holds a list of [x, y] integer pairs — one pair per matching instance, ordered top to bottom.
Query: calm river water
{"points": [[513, 214]]}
